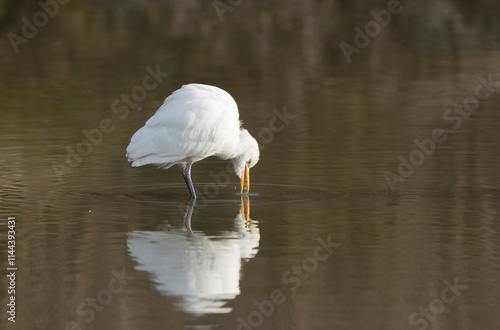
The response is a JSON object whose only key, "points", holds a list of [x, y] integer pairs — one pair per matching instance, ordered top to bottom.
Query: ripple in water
{"points": [[173, 193]]}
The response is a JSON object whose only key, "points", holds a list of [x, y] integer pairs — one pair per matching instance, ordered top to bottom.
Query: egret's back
{"points": [[195, 122]]}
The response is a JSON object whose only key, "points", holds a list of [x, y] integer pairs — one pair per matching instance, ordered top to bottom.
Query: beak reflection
{"points": [[245, 209]]}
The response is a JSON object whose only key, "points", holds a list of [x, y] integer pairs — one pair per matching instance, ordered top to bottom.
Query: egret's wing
{"points": [[193, 123]]}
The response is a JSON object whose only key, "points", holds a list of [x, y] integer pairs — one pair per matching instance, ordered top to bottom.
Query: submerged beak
{"points": [[245, 178]]}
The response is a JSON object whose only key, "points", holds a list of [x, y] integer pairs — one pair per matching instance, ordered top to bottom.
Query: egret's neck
{"points": [[247, 151]]}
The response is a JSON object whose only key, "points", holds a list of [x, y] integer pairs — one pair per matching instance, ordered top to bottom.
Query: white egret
{"points": [[195, 122]]}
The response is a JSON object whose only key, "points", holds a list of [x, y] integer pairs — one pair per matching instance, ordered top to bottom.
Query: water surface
{"points": [[327, 244]]}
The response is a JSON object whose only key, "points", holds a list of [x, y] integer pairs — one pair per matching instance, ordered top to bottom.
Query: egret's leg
{"points": [[186, 173]]}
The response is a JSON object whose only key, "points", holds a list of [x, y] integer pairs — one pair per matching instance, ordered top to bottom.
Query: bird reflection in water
{"points": [[203, 271]]}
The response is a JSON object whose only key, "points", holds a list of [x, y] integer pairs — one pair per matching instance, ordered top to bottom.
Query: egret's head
{"points": [[248, 156]]}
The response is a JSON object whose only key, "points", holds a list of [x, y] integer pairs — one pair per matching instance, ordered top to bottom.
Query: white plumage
{"points": [[195, 122]]}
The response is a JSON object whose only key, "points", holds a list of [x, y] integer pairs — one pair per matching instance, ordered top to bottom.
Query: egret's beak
{"points": [[245, 178]]}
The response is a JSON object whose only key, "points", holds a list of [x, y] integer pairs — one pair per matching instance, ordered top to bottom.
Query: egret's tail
{"points": [[144, 148]]}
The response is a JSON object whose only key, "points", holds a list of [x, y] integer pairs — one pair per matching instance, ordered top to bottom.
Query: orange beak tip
{"points": [[247, 177]]}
